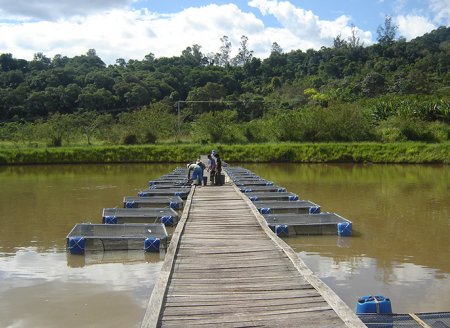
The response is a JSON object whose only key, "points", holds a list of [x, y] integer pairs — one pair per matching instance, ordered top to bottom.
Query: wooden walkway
{"points": [[224, 267]]}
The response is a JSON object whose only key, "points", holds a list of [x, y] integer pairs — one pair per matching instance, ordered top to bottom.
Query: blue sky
{"points": [[131, 29]]}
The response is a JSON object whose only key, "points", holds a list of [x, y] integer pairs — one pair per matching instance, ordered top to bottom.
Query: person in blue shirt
{"points": [[197, 175]]}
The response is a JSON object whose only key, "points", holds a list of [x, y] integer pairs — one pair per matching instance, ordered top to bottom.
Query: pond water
{"points": [[400, 246]]}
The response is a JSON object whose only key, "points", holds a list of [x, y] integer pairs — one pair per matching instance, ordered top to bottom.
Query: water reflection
{"points": [[38, 207], [401, 229], [400, 245], [118, 256], [55, 294]]}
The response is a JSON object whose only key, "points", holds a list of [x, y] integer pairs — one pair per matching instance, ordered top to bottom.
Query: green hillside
{"points": [[391, 91]]}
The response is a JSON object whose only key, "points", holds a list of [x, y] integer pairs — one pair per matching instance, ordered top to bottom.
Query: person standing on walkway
{"points": [[211, 168], [218, 179]]}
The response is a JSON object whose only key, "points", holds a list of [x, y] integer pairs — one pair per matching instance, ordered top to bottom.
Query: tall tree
{"points": [[387, 32], [354, 40], [339, 42], [276, 49], [244, 55], [223, 56]]}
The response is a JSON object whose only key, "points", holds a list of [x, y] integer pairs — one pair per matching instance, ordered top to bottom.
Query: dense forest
{"points": [[394, 90]]}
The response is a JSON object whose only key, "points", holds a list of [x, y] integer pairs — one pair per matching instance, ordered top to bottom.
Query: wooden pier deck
{"points": [[224, 267]]}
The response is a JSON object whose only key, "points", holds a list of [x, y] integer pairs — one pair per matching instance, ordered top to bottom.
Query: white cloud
{"points": [[53, 10], [441, 10], [411, 26], [309, 30], [130, 33]]}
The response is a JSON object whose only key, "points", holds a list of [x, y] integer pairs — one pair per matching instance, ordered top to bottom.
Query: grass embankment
{"points": [[284, 152]]}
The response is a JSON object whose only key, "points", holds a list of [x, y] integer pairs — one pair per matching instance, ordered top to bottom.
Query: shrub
{"points": [[389, 134], [130, 139]]}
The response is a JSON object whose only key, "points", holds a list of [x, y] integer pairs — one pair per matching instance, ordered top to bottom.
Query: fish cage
{"points": [[243, 175], [246, 178], [176, 181], [252, 182], [170, 186], [261, 188], [182, 192], [267, 195], [174, 202], [299, 206], [167, 216], [291, 224], [109, 237], [407, 320]]}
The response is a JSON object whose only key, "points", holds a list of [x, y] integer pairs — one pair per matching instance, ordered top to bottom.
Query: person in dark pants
{"points": [[203, 166], [211, 168], [218, 180]]}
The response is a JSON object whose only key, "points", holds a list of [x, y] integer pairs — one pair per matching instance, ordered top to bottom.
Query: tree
{"points": [[386, 34], [354, 40], [339, 42], [276, 49], [244, 55], [193, 56], [222, 58], [40, 61], [7, 62], [121, 62], [373, 84], [203, 98], [92, 124], [148, 124], [216, 127], [59, 128]]}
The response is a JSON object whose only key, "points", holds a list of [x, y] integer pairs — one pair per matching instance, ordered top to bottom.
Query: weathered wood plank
{"points": [[228, 269]]}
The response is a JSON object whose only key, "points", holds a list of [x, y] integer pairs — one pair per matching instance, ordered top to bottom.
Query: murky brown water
{"points": [[401, 223], [400, 245]]}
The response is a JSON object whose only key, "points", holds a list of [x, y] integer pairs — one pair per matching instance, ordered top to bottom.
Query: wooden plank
{"points": [[226, 267]]}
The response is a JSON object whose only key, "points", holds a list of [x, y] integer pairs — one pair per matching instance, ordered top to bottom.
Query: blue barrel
{"points": [[253, 198], [293, 198], [131, 204], [174, 205], [265, 210], [314, 210], [110, 220], [167, 220], [344, 229], [282, 230], [151, 244], [76, 245], [374, 304]]}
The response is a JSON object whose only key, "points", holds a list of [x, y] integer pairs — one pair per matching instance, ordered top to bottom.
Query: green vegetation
{"points": [[390, 92], [405, 152]]}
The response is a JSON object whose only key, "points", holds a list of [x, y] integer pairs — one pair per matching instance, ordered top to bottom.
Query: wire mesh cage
{"points": [[174, 202], [275, 207], [116, 215], [325, 223], [105, 237], [435, 320]]}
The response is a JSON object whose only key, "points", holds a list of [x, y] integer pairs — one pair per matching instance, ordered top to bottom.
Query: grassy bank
{"points": [[282, 152]]}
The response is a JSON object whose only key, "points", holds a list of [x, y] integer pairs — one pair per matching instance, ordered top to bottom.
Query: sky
{"points": [[131, 29]]}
